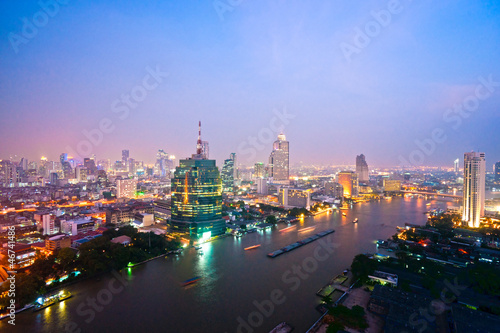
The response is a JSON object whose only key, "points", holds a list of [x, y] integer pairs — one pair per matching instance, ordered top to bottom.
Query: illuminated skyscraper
{"points": [[205, 149], [125, 156], [279, 161], [456, 165], [362, 169], [259, 170], [68, 172], [227, 175], [349, 182], [474, 187], [126, 188], [197, 197]]}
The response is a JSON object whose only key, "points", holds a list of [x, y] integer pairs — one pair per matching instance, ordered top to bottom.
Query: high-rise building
{"points": [[205, 149], [125, 156], [279, 161], [163, 164], [90, 165], [456, 165], [362, 169], [259, 170], [68, 172], [236, 172], [497, 172], [81, 173], [227, 176], [349, 181], [262, 186], [126, 188], [474, 188], [334, 189], [197, 197]]}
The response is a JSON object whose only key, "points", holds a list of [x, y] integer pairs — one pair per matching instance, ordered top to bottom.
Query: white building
{"points": [[126, 188], [474, 188], [79, 226]]}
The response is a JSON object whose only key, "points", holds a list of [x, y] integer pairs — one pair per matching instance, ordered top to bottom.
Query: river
{"points": [[239, 291]]}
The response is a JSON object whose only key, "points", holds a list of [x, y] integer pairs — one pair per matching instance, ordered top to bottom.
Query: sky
{"points": [[403, 82]]}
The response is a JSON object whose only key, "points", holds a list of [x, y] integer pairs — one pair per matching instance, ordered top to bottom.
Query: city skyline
{"points": [[399, 88]]}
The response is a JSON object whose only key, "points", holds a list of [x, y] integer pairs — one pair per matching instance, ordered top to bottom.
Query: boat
{"points": [[344, 214], [355, 220], [197, 247], [252, 247], [190, 281], [44, 302]]}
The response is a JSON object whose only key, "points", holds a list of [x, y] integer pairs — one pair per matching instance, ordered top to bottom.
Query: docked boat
{"points": [[355, 220], [44, 302], [283, 327]]}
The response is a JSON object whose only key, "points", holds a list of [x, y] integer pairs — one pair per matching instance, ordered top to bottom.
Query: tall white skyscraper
{"points": [[279, 161], [456, 165], [474, 187]]}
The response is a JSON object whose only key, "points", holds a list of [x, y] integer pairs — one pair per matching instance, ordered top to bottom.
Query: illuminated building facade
{"points": [[279, 161], [362, 169], [259, 170], [228, 175], [349, 181], [391, 185], [126, 188], [474, 188], [197, 197], [290, 197]]}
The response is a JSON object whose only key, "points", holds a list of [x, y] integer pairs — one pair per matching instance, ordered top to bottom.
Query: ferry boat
{"points": [[355, 220], [252, 247], [190, 281], [44, 302]]}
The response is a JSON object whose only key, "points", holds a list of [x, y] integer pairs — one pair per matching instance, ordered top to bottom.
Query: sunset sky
{"points": [[235, 67]]}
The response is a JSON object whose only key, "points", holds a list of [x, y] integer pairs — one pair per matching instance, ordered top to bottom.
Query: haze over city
{"points": [[232, 67]]}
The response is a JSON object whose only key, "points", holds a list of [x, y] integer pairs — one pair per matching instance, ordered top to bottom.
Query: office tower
{"points": [[205, 149], [125, 156], [279, 161], [24, 163], [89, 163], [456, 165], [131, 166], [162, 168], [362, 169], [259, 170], [68, 172], [497, 172], [236, 173], [81, 174], [227, 176], [53, 178], [349, 182], [392, 185], [262, 186], [474, 187], [126, 188], [197, 197]]}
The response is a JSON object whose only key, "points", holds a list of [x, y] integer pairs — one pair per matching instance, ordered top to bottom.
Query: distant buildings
{"points": [[279, 164], [66, 167], [362, 169], [497, 172], [349, 181], [392, 185], [262, 186], [126, 188], [474, 188], [334, 189], [197, 197], [57, 242]]}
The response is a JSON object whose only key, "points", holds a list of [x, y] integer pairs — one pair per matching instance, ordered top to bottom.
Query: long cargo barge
{"points": [[300, 243]]}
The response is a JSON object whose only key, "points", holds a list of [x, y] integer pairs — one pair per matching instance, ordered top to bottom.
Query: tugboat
{"points": [[355, 220]]}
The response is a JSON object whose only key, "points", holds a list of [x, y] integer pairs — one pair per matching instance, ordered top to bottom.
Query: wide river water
{"points": [[239, 291]]}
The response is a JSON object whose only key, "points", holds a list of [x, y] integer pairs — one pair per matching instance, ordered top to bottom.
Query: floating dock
{"points": [[299, 243], [334, 284]]}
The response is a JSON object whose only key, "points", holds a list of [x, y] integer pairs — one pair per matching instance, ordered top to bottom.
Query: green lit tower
{"points": [[197, 197]]}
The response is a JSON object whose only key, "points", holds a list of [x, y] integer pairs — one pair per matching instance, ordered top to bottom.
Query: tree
{"points": [[271, 219], [66, 258], [362, 266]]}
